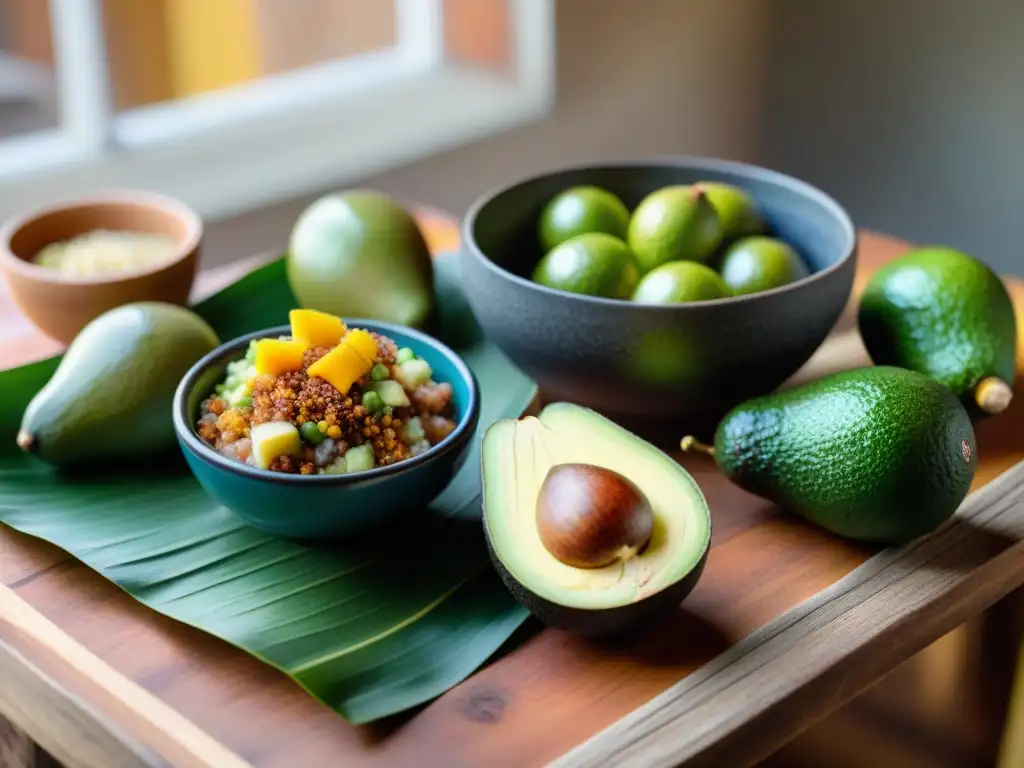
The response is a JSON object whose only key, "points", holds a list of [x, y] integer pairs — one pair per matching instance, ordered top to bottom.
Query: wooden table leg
{"points": [[994, 648], [16, 748], [1011, 754]]}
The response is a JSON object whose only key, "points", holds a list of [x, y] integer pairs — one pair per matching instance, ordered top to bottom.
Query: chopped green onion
{"points": [[406, 354], [380, 372], [243, 402], [372, 402]]}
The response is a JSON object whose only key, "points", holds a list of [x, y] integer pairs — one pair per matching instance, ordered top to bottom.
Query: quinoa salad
{"points": [[326, 400]]}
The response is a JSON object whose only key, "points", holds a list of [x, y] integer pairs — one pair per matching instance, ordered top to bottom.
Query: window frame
{"points": [[282, 136]]}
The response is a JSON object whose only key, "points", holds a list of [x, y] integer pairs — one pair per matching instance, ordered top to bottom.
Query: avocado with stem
{"points": [[674, 223], [945, 314], [110, 397], [879, 454], [590, 527]]}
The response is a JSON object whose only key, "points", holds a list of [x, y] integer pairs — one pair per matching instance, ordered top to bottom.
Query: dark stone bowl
{"points": [[683, 363]]}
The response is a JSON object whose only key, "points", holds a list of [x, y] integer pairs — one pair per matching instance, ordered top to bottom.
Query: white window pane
{"points": [[161, 52], [28, 89]]}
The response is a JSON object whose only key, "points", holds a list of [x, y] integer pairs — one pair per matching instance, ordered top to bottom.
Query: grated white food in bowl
{"points": [[106, 252]]}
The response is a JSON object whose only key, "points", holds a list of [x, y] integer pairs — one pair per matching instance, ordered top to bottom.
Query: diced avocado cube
{"points": [[238, 367], [412, 373], [391, 392], [233, 395], [412, 430], [359, 459], [337, 467]]}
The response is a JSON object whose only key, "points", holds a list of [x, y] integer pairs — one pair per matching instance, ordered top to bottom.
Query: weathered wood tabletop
{"points": [[778, 633]]}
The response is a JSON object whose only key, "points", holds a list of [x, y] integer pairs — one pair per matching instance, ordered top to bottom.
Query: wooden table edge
{"points": [[898, 594], [895, 604], [101, 712], [667, 730]]}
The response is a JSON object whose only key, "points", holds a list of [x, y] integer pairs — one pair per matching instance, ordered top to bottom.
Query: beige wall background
{"points": [[911, 113]]}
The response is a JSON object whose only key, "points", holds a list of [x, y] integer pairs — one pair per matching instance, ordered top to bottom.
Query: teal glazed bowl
{"points": [[684, 363], [327, 506]]}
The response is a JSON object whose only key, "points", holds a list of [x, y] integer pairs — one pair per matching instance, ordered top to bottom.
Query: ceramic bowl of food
{"points": [[67, 263], [677, 361], [329, 447]]}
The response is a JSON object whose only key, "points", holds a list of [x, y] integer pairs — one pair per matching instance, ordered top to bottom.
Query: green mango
{"points": [[358, 253], [111, 395]]}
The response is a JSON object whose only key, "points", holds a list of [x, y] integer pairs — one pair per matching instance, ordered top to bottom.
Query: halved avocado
{"points": [[516, 457]]}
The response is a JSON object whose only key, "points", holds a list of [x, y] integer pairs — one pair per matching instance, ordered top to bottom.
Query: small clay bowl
{"points": [[60, 306]]}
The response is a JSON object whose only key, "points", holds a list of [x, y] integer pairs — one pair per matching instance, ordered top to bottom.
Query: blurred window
{"points": [[231, 104]]}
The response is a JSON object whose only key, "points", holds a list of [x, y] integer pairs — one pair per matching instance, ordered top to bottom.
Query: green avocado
{"points": [[582, 209], [739, 214], [676, 223], [358, 253], [760, 263], [592, 264], [680, 282], [947, 315], [111, 395], [878, 454], [517, 457]]}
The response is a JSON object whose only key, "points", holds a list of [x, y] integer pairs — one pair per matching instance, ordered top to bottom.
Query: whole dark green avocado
{"points": [[947, 315], [111, 395], [878, 454]]}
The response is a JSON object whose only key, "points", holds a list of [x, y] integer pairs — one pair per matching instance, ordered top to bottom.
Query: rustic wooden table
{"points": [[787, 624]]}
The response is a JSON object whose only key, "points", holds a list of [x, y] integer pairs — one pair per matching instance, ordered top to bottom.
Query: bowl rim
{"points": [[667, 161], [138, 198], [455, 440]]}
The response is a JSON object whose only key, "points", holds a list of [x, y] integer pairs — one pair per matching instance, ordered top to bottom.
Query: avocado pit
{"points": [[589, 516], [592, 528]]}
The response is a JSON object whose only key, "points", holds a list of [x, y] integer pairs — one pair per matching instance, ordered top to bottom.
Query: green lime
{"points": [[736, 208], [579, 210], [676, 223], [760, 263], [594, 264], [679, 282]]}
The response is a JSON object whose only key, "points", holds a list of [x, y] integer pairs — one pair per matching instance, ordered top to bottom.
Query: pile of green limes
{"points": [[682, 243]]}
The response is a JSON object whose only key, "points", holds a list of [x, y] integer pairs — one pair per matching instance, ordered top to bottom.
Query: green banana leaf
{"points": [[370, 629]]}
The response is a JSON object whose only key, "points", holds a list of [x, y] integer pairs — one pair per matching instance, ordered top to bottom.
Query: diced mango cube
{"points": [[317, 329], [362, 343], [276, 356], [341, 367], [274, 439]]}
